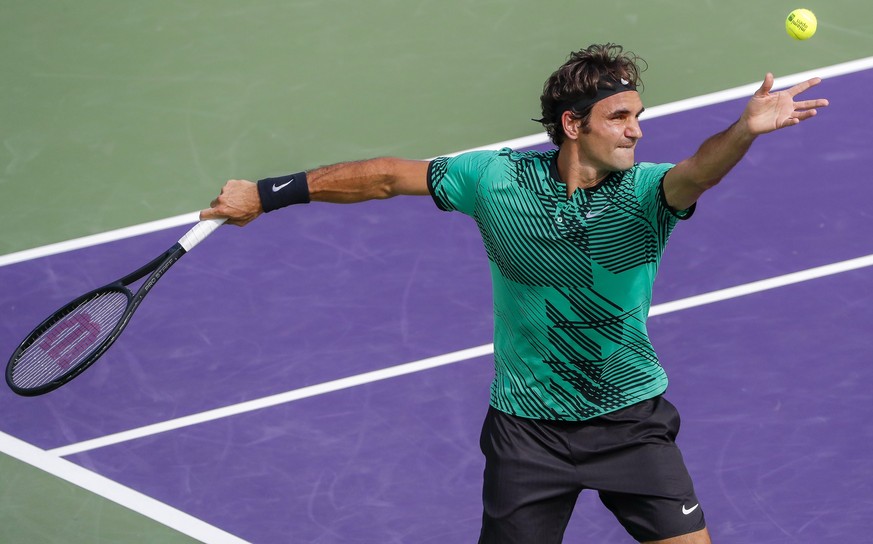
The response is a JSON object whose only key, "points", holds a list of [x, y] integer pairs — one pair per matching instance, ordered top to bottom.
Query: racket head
{"points": [[75, 336], [69, 341]]}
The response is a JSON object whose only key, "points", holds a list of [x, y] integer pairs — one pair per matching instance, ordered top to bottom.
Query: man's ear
{"points": [[571, 126]]}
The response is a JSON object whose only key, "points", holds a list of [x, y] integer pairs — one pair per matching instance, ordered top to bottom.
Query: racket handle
{"points": [[199, 232]]}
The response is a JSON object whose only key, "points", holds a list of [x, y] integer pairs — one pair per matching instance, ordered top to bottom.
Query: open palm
{"points": [[768, 111]]}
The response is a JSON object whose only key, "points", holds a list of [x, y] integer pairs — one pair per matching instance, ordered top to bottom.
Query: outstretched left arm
{"points": [[765, 112]]}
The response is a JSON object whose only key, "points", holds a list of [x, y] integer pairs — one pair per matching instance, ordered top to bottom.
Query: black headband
{"points": [[604, 90]]}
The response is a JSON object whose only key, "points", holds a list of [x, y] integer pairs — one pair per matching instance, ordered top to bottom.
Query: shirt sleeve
{"points": [[453, 181], [650, 183]]}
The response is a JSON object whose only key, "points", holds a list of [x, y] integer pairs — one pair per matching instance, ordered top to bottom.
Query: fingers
{"points": [[804, 85], [766, 86], [793, 91], [811, 104], [806, 109], [802, 116], [238, 202], [215, 213], [208, 214]]}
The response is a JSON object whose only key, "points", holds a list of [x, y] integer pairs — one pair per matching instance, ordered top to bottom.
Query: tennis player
{"points": [[574, 237]]}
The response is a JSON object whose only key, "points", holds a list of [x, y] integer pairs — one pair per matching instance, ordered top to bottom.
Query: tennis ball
{"points": [[801, 24]]}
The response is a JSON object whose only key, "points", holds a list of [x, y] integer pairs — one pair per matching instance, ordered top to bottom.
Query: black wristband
{"points": [[283, 191]]}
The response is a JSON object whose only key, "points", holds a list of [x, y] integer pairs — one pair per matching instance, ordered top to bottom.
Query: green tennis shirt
{"points": [[572, 278]]}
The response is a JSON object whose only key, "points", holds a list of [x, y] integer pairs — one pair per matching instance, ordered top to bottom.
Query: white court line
{"points": [[527, 141], [97, 239], [441, 360], [274, 400], [116, 492]]}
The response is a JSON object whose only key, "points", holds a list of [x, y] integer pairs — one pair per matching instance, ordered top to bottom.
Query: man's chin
{"points": [[625, 162]]}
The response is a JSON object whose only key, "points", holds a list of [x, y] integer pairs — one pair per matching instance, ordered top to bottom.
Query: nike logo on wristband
{"points": [[277, 188], [687, 511]]}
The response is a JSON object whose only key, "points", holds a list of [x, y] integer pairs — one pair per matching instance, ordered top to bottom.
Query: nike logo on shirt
{"points": [[592, 215]]}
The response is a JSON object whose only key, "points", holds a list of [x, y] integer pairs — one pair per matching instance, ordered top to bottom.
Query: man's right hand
{"points": [[238, 202]]}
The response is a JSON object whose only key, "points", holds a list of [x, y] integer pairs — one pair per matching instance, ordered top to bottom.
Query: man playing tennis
{"points": [[574, 237]]}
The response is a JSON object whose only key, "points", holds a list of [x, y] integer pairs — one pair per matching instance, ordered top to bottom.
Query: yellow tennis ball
{"points": [[801, 24]]}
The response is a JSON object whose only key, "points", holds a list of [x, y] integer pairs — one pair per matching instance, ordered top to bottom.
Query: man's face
{"points": [[608, 143]]}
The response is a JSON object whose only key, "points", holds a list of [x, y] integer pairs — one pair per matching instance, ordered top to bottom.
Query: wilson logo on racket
{"points": [[70, 339]]}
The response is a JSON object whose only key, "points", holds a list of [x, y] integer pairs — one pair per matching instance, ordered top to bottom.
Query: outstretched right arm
{"points": [[765, 112], [344, 183]]}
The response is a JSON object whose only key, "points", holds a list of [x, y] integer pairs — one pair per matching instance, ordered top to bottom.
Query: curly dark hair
{"points": [[579, 77]]}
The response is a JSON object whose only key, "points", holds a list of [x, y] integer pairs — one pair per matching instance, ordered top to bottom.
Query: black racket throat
{"points": [[166, 259]]}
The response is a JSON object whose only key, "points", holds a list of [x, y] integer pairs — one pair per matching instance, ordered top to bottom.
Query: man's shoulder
{"points": [[508, 153], [527, 154], [501, 160], [530, 162], [649, 168], [643, 173]]}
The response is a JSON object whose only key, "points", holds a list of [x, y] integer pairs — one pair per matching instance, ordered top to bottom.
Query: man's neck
{"points": [[575, 173]]}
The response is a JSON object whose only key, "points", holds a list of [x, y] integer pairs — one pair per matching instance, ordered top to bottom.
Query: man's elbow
{"points": [[401, 177]]}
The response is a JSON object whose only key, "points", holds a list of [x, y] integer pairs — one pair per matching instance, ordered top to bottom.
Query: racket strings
{"points": [[70, 340]]}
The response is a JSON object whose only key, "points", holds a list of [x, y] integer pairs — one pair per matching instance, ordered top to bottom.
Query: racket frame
{"points": [[156, 267]]}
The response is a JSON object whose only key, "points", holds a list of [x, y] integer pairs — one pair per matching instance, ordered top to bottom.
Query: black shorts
{"points": [[535, 470]]}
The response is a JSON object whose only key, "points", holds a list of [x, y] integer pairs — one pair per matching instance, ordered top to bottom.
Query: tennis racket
{"points": [[74, 337]]}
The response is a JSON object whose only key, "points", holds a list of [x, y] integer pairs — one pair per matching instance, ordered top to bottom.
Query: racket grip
{"points": [[199, 232]]}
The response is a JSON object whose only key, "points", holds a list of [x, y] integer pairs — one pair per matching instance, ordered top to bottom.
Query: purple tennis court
{"points": [[772, 381]]}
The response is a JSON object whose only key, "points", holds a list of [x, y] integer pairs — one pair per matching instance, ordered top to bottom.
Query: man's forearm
{"points": [[719, 154], [713, 160], [381, 178], [242, 201]]}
